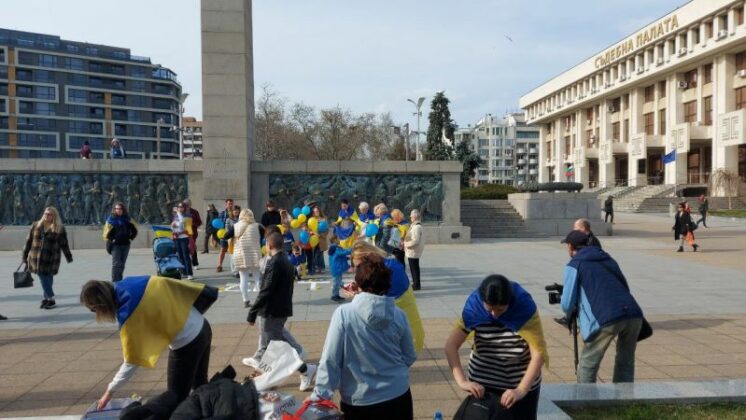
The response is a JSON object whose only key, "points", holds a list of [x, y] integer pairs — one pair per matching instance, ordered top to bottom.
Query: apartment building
{"points": [[675, 88]]}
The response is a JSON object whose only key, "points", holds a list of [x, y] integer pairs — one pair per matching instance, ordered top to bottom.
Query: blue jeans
{"points": [[182, 248], [119, 255], [319, 259], [310, 261], [46, 285], [336, 285], [625, 332]]}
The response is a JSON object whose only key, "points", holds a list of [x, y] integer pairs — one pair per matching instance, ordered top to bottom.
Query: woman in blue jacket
{"points": [[372, 385]]}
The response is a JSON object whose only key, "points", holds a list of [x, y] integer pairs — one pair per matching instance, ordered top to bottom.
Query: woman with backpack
{"points": [[119, 231]]}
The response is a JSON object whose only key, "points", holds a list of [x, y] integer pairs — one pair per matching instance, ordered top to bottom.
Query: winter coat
{"points": [[609, 205], [704, 206], [211, 214], [271, 218], [682, 224], [119, 230], [593, 240], [323, 242], [414, 242], [43, 250], [247, 250], [338, 264], [275, 299], [221, 398]]}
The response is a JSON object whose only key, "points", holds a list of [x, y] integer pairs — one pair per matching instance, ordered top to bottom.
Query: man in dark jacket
{"points": [[271, 216], [196, 223], [583, 225], [596, 290], [274, 305]]}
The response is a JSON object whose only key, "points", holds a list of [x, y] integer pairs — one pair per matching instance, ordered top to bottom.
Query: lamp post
{"points": [[418, 113]]}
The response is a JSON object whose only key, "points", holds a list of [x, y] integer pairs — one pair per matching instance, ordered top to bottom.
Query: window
{"points": [[739, 15], [709, 29], [72, 48], [91, 50], [2, 55], [27, 58], [46, 60], [741, 61], [73, 63], [95, 67], [22, 74], [707, 74], [43, 76], [690, 78], [79, 79], [96, 81], [137, 85], [662, 89], [24, 91], [45, 92], [650, 93], [77, 95], [96, 97], [118, 99], [625, 101], [616, 104], [2, 105], [25, 107], [45, 108], [708, 110], [77, 111], [690, 111], [97, 113], [119, 115], [589, 115], [662, 122], [649, 123], [96, 128], [120, 129], [626, 130], [615, 131], [527, 134], [37, 140], [589, 141], [484, 143]]}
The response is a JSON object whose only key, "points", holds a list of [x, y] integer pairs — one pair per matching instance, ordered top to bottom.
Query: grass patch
{"points": [[487, 192], [728, 213], [712, 411]]}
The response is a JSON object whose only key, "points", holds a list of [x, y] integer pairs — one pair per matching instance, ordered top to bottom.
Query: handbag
{"points": [[22, 278], [486, 408], [318, 410]]}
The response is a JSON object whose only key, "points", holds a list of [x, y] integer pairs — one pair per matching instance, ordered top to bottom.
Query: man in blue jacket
{"points": [[595, 289]]}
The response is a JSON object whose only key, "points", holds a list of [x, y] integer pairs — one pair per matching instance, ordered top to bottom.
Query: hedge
{"points": [[487, 192]]}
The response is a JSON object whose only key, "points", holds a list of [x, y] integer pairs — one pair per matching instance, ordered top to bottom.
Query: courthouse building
{"points": [[677, 85], [56, 94]]}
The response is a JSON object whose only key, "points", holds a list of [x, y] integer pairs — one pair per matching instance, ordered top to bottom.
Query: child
{"points": [[287, 238], [308, 250], [298, 259], [337, 265]]}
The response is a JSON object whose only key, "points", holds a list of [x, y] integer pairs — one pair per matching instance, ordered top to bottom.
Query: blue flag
{"points": [[669, 157]]}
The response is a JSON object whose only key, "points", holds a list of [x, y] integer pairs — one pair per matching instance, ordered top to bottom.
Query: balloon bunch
{"points": [[300, 216], [220, 226]]}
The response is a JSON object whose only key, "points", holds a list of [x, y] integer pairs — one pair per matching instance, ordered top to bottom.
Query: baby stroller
{"points": [[167, 261]]}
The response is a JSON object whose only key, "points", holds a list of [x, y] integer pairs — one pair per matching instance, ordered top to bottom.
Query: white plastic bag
{"points": [[395, 240], [278, 363], [273, 404], [112, 410]]}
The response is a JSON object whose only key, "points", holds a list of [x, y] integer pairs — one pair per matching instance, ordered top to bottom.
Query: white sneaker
{"points": [[190, 278], [303, 355], [250, 362], [306, 379]]}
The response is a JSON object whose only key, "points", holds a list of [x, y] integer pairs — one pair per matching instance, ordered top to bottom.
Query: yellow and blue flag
{"points": [[152, 311]]}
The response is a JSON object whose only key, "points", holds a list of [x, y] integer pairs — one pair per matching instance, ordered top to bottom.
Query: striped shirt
{"points": [[499, 358]]}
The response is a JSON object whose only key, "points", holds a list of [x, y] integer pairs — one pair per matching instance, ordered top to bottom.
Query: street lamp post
{"points": [[418, 113]]}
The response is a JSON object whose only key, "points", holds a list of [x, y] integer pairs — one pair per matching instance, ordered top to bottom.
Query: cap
{"points": [[576, 238]]}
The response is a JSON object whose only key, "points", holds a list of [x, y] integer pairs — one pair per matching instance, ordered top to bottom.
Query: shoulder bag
{"points": [[22, 278]]}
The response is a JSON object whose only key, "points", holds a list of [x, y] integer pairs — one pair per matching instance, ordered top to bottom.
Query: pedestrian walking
{"points": [[704, 207], [609, 209], [224, 215], [196, 223], [683, 228], [119, 231], [182, 231], [210, 232], [45, 244], [414, 245], [247, 252], [273, 306], [154, 313], [371, 384]]}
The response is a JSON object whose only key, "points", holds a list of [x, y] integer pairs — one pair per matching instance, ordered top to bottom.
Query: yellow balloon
{"points": [[302, 218], [295, 223], [313, 224], [282, 229], [221, 233], [314, 241], [264, 250]]}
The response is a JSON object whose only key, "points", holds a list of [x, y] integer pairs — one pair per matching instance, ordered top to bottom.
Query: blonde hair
{"points": [[382, 207], [397, 215], [247, 216], [56, 225], [362, 249], [98, 296]]}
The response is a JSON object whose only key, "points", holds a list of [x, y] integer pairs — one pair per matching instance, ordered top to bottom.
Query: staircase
{"points": [[615, 191], [647, 199], [493, 219]]}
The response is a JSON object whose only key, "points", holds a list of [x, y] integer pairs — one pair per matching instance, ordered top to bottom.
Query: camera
{"points": [[555, 293]]}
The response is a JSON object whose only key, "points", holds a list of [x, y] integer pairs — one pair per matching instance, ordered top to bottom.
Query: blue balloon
{"points": [[306, 210], [296, 212], [218, 224], [323, 226], [371, 230], [304, 237], [264, 241]]}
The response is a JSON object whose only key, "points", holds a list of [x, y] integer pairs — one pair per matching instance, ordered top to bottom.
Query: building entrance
{"points": [[621, 171]]}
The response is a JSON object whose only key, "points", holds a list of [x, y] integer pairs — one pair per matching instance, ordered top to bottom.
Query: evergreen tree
{"points": [[440, 124], [470, 161]]}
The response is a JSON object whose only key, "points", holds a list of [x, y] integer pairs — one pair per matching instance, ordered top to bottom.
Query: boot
{"points": [[695, 246], [681, 249]]}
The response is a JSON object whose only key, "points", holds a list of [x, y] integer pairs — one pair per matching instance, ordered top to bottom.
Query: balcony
{"points": [[521, 151], [533, 151], [521, 161], [533, 161], [532, 171], [521, 172]]}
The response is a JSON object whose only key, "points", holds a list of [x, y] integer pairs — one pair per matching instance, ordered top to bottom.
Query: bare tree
{"points": [[271, 136], [727, 182]]}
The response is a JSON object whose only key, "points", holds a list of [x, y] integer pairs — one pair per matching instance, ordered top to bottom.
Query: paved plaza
{"points": [[59, 361]]}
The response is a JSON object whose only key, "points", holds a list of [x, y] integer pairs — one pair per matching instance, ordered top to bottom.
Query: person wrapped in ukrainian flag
{"points": [[154, 313], [509, 347]]}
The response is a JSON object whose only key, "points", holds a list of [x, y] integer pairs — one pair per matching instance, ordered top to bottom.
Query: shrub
{"points": [[487, 192]]}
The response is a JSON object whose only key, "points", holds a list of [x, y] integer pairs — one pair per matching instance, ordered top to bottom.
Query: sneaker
{"points": [[695, 246], [219, 269], [236, 275], [190, 278], [338, 299], [43, 304], [50, 304], [247, 304], [3, 318], [303, 354], [251, 362], [306, 379]]}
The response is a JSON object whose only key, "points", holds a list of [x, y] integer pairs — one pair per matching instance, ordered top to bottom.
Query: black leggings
{"points": [[414, 268], [187, 366], [400, 408], [526, 408]]}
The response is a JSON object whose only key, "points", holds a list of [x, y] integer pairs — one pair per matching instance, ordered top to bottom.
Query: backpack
{"points": [[487, 408]]}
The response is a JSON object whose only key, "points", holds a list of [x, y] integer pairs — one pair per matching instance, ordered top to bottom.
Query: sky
{"points": [[365, 56]]}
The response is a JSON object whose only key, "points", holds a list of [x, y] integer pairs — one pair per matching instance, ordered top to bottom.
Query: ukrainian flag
{"points": [[162, 231], [345, 235], [152, 311], [521, 317]]}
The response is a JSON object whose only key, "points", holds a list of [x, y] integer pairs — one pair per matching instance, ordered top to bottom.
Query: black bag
{"points": [[692, 226], [109, 246], [22, 278], [206, 298], [645, 331], [487, 408]]}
